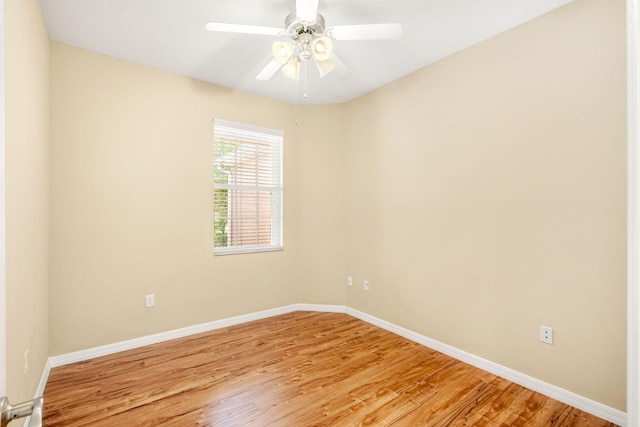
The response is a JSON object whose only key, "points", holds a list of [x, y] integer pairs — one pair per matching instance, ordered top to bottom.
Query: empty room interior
{"points": [[481, 197]]}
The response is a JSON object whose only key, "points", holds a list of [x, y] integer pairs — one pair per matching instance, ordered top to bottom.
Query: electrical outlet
{"points": [[349, 280], [366, 285], [149, 301], [546, 334], [26, 361]]}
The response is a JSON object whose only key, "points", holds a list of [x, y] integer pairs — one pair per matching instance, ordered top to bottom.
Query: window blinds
{"points": [[247, 188]]}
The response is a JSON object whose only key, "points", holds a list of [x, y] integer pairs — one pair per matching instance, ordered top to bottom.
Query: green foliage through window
{"points": [[222, 148]]}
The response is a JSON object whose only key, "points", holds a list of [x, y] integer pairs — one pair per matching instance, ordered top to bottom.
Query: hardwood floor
{"points": [[298, 369]]}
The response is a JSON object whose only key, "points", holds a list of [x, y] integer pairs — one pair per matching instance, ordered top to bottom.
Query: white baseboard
{"points": [[324, 308], [104, 350], [43, 378], [40, 389], [565, 396], [590, 406]]}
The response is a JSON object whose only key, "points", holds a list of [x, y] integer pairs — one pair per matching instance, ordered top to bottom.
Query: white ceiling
{"points": [[170, 35]]}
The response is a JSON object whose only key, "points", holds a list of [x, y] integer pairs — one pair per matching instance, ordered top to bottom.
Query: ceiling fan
{"points": [[309, 38]]}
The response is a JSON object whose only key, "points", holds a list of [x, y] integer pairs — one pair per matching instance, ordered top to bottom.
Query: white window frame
{"points": [[275, 140]]}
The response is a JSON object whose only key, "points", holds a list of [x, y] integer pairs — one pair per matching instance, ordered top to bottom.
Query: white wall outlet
{"points": [[349, 280], [365, 286], [149, 301], [546, 334], [26, 361]]}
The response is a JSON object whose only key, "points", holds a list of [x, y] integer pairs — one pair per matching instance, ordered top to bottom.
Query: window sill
{"points": [[246, 250]]}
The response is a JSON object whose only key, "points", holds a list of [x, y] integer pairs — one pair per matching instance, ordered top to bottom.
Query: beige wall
{"points": [[27, 197], [486, 197], [132, 203], [321, 262]]}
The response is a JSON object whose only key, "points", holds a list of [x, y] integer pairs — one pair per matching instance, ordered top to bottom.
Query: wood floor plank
{"points": [[297, 369]]}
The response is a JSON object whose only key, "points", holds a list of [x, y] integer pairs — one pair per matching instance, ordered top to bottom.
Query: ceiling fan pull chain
{"points": [[305, 80], [295, 103]]}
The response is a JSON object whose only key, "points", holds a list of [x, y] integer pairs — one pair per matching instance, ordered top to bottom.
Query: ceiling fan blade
{"points": [[306, 10], [244, 29], [366, 32], [325, 67], [340, 70], [267, 72]]}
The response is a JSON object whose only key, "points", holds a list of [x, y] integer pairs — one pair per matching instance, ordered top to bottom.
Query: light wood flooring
{"points": [[298, 369]]}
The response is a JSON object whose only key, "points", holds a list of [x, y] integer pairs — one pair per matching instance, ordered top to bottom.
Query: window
{"points": [[247, 200]]}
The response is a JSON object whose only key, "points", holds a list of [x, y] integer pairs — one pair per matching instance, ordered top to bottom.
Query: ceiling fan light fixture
{"points": [[308, 39], [322, 48], [282, 51], [325, 67], [292, 69]]}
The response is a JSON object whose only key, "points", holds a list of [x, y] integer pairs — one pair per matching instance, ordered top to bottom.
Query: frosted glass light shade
{"points": [[322, 48], [282, 51], [325, 67], [292, 69]]}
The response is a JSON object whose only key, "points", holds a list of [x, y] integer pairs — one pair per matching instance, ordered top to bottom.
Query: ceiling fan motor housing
{"points": [[295, 27], [303, 33]]}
